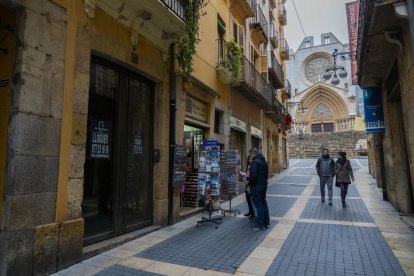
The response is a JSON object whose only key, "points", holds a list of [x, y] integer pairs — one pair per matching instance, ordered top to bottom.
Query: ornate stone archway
{"points": [[325, 107]]}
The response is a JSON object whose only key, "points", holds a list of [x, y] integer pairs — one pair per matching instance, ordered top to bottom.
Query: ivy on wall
{"points": [[187, 45]]}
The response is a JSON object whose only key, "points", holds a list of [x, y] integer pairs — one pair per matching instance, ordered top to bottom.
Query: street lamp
{"points": [[337, 70]]}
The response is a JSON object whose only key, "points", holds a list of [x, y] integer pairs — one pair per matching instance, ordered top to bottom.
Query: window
{"points": [[221, 30], [238, 34], [327, 40], [307, 44], [296, 91], [218, 122]]}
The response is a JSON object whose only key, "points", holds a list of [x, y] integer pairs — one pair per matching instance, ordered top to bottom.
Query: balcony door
{"points": [[118, 165]]}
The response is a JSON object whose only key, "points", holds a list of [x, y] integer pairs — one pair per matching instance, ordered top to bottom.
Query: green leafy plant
{"points": [[187, 45], [233, 59]]}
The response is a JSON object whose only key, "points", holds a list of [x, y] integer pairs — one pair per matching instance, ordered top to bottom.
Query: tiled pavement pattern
{"points": [[297, 179], [291, 189], [352, 191], [278, 206], [355, 210], [308, 238], [206, 248], [323, 249], [120, 270]]}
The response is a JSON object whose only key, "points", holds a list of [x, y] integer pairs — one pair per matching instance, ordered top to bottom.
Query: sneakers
{"points": [[322, 200], [330, 202], [343, 205], [267, 226], [258, 228]]}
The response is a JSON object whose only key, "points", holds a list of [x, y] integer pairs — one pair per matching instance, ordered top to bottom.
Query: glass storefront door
{"points": [[118, 165]]}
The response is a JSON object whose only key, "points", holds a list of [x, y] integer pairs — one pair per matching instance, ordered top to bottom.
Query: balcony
{"points": [[241, 9], [281, 13], [161, 22], [259, 24], [274, 38], [284, 49], [375, 52], [226, 69], [276, 71], [255, 87], [287, 91], [279, 112]]}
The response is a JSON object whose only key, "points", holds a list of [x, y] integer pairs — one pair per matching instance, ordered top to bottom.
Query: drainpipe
{"points": [[410, 6], [173, 109]]}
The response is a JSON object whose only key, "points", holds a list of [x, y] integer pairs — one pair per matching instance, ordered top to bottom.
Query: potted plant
{"points": [[229, 67]]}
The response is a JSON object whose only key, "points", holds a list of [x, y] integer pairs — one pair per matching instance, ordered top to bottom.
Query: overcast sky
{"points": [[318, 17]]}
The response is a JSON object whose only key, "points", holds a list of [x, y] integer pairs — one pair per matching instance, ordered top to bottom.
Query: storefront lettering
{"points": [[196, 109], [238, 124], [138, 143]]}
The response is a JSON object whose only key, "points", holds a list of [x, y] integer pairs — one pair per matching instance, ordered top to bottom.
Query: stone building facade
{"points": [[385, 61], [92, 101], [316, 104]]}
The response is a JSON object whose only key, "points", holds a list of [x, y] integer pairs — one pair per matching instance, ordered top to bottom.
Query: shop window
{"points": [[218, 122]]}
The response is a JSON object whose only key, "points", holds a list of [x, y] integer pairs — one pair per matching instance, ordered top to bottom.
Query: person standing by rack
{"points": [[259, 172], [247, 191]]}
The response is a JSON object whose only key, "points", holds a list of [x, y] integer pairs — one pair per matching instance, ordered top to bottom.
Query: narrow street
{"points": [[306, 237]]}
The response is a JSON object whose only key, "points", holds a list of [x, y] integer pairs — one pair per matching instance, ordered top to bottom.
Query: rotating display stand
{"points": [[209, 180], [229, 183]]}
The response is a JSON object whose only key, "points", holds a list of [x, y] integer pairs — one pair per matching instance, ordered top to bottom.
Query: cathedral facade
{"points": [[317, 105]]}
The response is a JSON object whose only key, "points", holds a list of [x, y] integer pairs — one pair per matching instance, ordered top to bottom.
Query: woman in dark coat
{"points": [[344, 174], [247, 191]]}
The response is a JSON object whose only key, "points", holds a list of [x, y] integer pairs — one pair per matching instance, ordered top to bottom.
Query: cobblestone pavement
{"points": [[307, 237]]}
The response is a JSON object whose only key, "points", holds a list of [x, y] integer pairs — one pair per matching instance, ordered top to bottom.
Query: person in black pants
{"points": [[259, 172], [250, 214]]}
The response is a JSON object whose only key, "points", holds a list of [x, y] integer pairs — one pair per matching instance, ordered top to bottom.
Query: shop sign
{"points": [[196, 109], [374, 114], [237, 124], [256, 132], [100, 142], [138, 143], [210, 143]]}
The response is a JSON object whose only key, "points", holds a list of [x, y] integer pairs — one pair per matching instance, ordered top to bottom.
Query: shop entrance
{"points": [[193, 138], [237, 142], [117, 194]]}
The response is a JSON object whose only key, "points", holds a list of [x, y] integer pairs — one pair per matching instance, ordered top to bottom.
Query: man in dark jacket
{"points": [[325, 168], [258, 181]]}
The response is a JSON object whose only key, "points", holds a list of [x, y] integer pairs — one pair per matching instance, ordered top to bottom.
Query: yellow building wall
{"points": [[8, 17], [205, 61]]}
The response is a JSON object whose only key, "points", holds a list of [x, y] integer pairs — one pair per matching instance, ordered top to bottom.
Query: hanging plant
{"points": [[187, 45], [235, 59]]}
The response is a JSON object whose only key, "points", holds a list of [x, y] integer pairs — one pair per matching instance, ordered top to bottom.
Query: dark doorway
{"points": [[118, 172]]}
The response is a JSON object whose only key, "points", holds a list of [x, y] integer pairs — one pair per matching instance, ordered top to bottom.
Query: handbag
{"points": [[340, 169]]}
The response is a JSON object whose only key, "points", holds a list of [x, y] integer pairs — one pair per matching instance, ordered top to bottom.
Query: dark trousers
{"points": [[344, 190], [259, 201], [249, 202]]}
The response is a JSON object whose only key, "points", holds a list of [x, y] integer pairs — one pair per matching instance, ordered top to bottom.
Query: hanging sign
{"points": [[352, 12], [374, 114], [100, 139], [138, 143]]}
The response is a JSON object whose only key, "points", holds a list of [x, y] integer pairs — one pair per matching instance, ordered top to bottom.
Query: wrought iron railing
{"points": [[177, 6], [259, 18], [274, 37], [276, 68], [253, 78], [288, 89], [279, 109]]}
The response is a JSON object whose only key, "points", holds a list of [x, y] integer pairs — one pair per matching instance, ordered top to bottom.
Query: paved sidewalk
{"points": [[307, 237]]}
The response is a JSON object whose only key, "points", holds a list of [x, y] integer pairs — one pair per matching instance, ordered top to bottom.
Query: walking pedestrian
{"points": [[325, 168], [259, 172], [344, 174], [247, 191]]}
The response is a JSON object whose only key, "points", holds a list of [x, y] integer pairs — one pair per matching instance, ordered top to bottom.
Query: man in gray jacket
{"points": [[325, 168]]}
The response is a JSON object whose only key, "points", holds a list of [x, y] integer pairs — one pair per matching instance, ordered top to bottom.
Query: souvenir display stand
{"points": [[209, 180], [229, 183]]}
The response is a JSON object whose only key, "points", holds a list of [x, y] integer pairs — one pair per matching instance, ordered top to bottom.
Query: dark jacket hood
{"points": [[260, 156], [342, 160]]}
